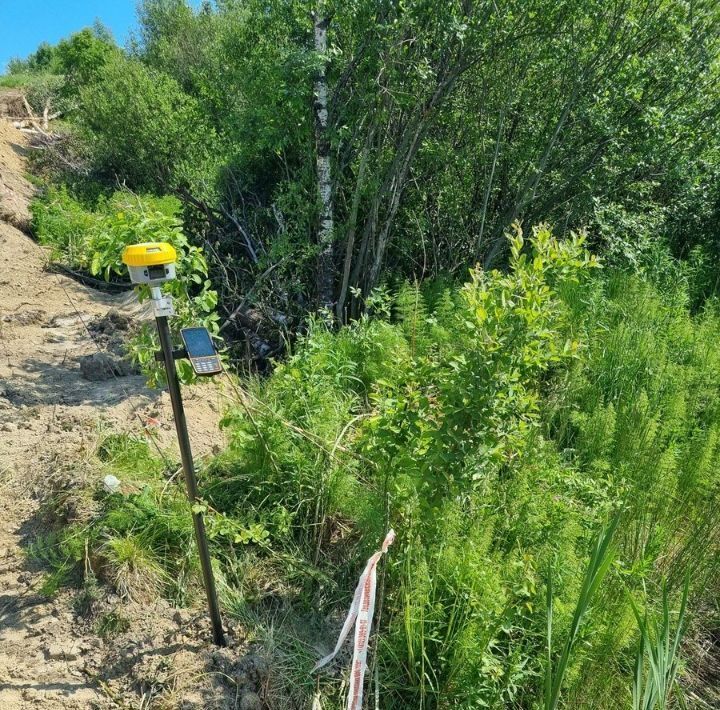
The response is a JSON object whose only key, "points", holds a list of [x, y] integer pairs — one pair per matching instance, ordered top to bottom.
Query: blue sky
{"points": [[26, 23]]}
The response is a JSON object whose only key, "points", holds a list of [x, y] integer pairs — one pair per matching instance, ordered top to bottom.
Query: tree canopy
{"points": [[446, 123]]}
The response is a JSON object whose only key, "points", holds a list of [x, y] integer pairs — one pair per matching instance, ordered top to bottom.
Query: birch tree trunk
{"points": [[326, 227]]}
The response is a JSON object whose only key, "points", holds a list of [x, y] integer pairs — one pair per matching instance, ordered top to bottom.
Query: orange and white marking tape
{"points": [[361, 614]]}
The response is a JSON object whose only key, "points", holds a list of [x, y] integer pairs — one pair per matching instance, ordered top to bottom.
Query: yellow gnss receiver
{"points": [[150, 263], [153, 263]]}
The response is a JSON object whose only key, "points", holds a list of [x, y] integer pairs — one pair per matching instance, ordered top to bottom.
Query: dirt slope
{"points": [[50, 415]]}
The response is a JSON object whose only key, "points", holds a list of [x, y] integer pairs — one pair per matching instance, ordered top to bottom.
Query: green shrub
{"points": [[82, 56], [53, 74], [143, 127], [429, 423], [495, 429]]}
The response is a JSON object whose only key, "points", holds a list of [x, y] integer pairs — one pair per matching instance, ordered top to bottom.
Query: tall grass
{"points": [[14, 81], [600, 561], [658, 655]]}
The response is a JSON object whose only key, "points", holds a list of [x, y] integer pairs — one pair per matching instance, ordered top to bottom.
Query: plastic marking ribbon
{"points": [[361, 611]]}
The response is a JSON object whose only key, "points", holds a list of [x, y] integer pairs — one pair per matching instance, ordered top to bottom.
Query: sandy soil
{"points": [[15, 190], [50, 415]]}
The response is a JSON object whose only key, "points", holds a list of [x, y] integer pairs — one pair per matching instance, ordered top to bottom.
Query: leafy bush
{"points": [[81, 56], [143, 127], [440, 414], [497, 428]]}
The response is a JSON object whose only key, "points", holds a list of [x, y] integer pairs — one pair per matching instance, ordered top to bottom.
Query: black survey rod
{"points": [[190, 480]]}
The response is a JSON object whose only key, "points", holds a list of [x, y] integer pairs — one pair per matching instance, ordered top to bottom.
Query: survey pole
{"points": [[151, 264], [188, 466]]}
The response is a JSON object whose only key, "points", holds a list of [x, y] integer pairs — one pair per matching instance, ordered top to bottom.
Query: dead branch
{"points": [[28, 108], [34, 120], [246, 237], [280, 318]]}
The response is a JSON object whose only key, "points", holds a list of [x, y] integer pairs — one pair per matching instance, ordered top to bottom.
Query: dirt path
{"points": [[49, 414]]}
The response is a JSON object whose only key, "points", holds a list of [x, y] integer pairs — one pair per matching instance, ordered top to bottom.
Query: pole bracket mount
{"points": [[177, 354]]}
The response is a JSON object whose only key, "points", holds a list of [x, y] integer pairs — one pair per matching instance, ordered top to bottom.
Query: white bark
{"points": [[326, 227]]}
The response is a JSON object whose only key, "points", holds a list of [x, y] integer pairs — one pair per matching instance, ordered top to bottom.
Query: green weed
{"points": [[600, 561], [111, 624]]}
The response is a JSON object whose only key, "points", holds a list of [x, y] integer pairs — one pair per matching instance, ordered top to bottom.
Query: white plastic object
{"points": [[111, 484], [361, 616]]}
